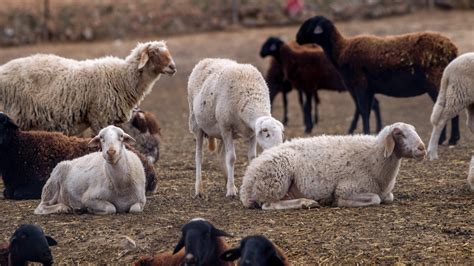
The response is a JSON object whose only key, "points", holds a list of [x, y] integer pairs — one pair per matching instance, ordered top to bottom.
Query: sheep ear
{"points": [[318, 30], [143, 58], [128, 139], [95, 142], [390, 143], [218, 232], [51, 241], [179, 246], [231, 255]]}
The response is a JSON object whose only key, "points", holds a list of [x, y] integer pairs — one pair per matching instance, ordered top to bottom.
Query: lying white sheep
{"points": [[52, 93], [456, 94], [228, 100], [345, 170], [105, 182]]}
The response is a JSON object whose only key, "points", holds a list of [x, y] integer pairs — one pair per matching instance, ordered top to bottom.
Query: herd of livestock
{"points": [[49, 100]]}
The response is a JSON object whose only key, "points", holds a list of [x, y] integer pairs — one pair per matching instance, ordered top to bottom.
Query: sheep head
{"points": [[317, 30], [271, 47], [154, 58], [7, 127], [269, 132], [111, 140], [403, 141], [199, 239], [29, 243], [254, 250]]}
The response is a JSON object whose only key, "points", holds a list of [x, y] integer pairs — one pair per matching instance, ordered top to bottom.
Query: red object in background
{"points": [[294, 7]]}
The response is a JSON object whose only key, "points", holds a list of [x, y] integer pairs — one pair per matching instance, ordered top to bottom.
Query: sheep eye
{"points": [[265, 130]]}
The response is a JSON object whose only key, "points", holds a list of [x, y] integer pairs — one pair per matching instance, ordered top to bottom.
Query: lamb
{"points": [[400, 66], [307, 68], [52, 93], [455, 94], [228, 100], [145, 129], [28, 157], [348, 171], [106, 182], [27, 244], [200, 244], [256, 250]]}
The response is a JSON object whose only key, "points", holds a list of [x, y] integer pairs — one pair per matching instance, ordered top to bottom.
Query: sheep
{"points": [[400, 66], [307, 68], [277, 84], [52, 93], [455, 94], [228, 100], [145, 129], [28, 157], [346, 171], [470, 177], [106, 182], [28, 243], [200, 244], [256, 250]]}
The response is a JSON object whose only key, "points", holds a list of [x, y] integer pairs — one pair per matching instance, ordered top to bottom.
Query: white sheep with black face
{"points": [[228, 100], [348, 171], [105, 182]]}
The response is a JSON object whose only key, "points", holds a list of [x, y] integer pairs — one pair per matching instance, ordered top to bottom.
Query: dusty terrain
{"points": [[430, 221]]}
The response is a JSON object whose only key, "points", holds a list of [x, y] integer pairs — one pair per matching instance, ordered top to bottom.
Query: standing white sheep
{"points": [[52, 93], [456, 94], [228, 100], [345, 170], [105, 182]]}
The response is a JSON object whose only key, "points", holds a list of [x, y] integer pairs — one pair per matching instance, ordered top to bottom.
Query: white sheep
{"points": [[52, 93], [456, 94], [228, 100], [347, 171], [105, 182]]}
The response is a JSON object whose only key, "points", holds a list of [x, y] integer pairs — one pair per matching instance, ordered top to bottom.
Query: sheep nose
{"points": [[172, 67], [421, 147], [111, 152], [189, 258]]}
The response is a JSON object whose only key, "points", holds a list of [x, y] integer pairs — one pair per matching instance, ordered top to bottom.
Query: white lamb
{"points": [[52, 93], [456, 94], [228, 100], [347, 171], [105, 182]]}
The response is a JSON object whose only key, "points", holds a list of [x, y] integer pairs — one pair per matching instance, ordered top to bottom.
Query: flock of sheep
{"points": [[113, 171]]}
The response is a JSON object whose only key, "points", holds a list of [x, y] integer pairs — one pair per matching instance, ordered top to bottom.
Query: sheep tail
{"points": [[440, 101], [212, 144]]}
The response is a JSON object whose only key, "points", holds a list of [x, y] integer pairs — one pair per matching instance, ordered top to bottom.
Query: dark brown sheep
{"points": [[400, 66], [307, 69], [145, 129], [28, 157], [200, 244]]}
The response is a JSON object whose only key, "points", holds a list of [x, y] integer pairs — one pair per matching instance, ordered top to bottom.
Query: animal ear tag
{"points": [[318, 30]]}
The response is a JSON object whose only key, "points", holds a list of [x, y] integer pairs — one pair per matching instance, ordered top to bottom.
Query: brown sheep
{"points": [[399, 66], [307, 68], [28, 157]]}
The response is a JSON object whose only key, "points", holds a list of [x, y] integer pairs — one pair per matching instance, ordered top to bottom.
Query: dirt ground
{"points": [[430, 221]]}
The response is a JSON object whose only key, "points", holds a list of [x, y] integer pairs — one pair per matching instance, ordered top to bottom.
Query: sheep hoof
{"points": [[432, 155], [231, 192], [309, 204]]}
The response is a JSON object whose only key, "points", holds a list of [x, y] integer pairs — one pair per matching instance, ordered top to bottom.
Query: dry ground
{"points": [[431, 220]]}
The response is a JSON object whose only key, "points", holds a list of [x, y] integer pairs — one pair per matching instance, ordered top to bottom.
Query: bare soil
{"points": [[430, 221]]}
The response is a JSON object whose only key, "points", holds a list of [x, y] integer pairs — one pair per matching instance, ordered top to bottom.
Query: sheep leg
{"points": [[434, 96], [300, 99], [364, 101], [316, 103], [285, 108], [378, 117], [470, 117], [355, 118], [308, 120], [455, 134], [435, 136], [252, 152], [229, 161], [470, 177], [198, 185], [388, 198], [359, 200], [291, 204], [101, 207], [137, 207], [43, 208]]}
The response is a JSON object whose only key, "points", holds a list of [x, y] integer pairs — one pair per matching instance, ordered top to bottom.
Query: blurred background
{"points": [[33, 21]]}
